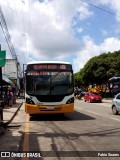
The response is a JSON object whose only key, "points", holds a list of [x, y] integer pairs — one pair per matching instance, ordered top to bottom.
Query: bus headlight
{"points": [[71, 100], [29, 101]]}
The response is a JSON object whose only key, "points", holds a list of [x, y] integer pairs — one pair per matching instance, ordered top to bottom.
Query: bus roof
{"points": [[48, 62]]}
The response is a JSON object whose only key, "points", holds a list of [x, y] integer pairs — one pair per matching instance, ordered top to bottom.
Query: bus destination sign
{"points": [[45, 66], [49, 67], [42, 73]]}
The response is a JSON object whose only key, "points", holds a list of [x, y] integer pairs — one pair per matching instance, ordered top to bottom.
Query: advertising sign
{"points": [[2, 58]]}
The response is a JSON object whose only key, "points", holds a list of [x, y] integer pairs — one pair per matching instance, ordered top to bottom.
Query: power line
{"points": [[101, 8], [17, 16], [23, 18], [25, 28], [29, 29], [7, 35]]}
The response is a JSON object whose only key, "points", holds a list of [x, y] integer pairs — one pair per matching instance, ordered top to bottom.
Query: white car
{"points": [[116, 104]]}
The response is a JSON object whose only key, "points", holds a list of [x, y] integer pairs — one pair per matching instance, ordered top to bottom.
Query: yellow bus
{"points": [[49, 87]]}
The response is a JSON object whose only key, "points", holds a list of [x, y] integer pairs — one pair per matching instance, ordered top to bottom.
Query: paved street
{"points": [[52, 53], [101, 110], [92, 127]]}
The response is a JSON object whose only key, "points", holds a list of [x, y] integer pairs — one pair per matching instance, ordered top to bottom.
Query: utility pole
{"points": [[5, 30], [2, 63], [24, 80], [1, 107]]}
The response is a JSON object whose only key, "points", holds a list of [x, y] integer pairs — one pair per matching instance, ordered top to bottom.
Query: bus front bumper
{"points": [[49, 109]]}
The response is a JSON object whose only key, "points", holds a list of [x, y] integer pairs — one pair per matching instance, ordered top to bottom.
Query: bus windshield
{"points": [[49, 82]]}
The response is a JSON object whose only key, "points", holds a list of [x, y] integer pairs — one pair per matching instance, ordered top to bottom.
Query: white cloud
{"points": [[84, 12], [43, 29], [79, 30], [104, 32], [91, 49]]}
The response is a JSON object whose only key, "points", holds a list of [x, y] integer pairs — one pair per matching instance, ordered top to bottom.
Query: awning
{"points": [[6, 81]]}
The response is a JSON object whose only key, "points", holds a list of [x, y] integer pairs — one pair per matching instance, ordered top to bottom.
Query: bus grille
{"points": [[50, 98], [45, 109]]}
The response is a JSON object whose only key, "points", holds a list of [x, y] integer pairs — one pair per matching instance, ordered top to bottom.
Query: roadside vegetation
{"points": [[99, 69]]}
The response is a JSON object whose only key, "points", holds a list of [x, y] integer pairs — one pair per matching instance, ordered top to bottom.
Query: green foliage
{"points": [[99, 69]]}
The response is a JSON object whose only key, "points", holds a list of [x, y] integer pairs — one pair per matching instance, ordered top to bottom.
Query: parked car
{"points": [[92, 97], [116, 104]]}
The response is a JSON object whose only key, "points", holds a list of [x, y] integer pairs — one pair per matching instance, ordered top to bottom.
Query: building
{"points": [[12, 71]]}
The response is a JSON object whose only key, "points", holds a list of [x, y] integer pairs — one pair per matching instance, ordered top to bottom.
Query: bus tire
{"points": [[62, 114], [31, 115]]}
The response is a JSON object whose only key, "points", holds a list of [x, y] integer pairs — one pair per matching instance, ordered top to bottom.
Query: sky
{"points": [[61, 30]]}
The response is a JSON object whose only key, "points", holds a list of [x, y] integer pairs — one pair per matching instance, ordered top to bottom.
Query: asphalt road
{"points": [[92, 127], [88, 132]]}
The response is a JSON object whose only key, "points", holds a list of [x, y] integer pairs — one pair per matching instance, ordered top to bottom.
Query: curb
{"points": [[103, 100], [107, 100], [7, 123], [3, 125], [2, 129]]}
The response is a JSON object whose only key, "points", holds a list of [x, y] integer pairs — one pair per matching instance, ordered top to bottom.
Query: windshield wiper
{"points": [[56, 75]]}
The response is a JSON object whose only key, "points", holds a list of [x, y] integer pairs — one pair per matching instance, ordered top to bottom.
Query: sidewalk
{"points": [[8, 113]]}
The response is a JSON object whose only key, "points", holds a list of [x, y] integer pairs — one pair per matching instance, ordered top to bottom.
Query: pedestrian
{"points": [[14, 97], [10, 98], [3, 99]]}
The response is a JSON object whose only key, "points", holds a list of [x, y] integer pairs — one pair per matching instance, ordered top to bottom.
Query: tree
{"points": [[99, 69]]}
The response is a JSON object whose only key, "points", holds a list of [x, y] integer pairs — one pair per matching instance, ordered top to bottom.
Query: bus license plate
{"points": [[50, 107]]}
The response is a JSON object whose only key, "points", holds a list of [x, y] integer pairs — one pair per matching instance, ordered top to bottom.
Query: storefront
{"points": [[6, 83]]}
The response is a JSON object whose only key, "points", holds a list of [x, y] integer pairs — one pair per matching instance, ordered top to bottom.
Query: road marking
{"points": [[104, 104], [107, 104], [94, 113], [100, 115], [104, 116], [116, 119], [26, 136]]}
